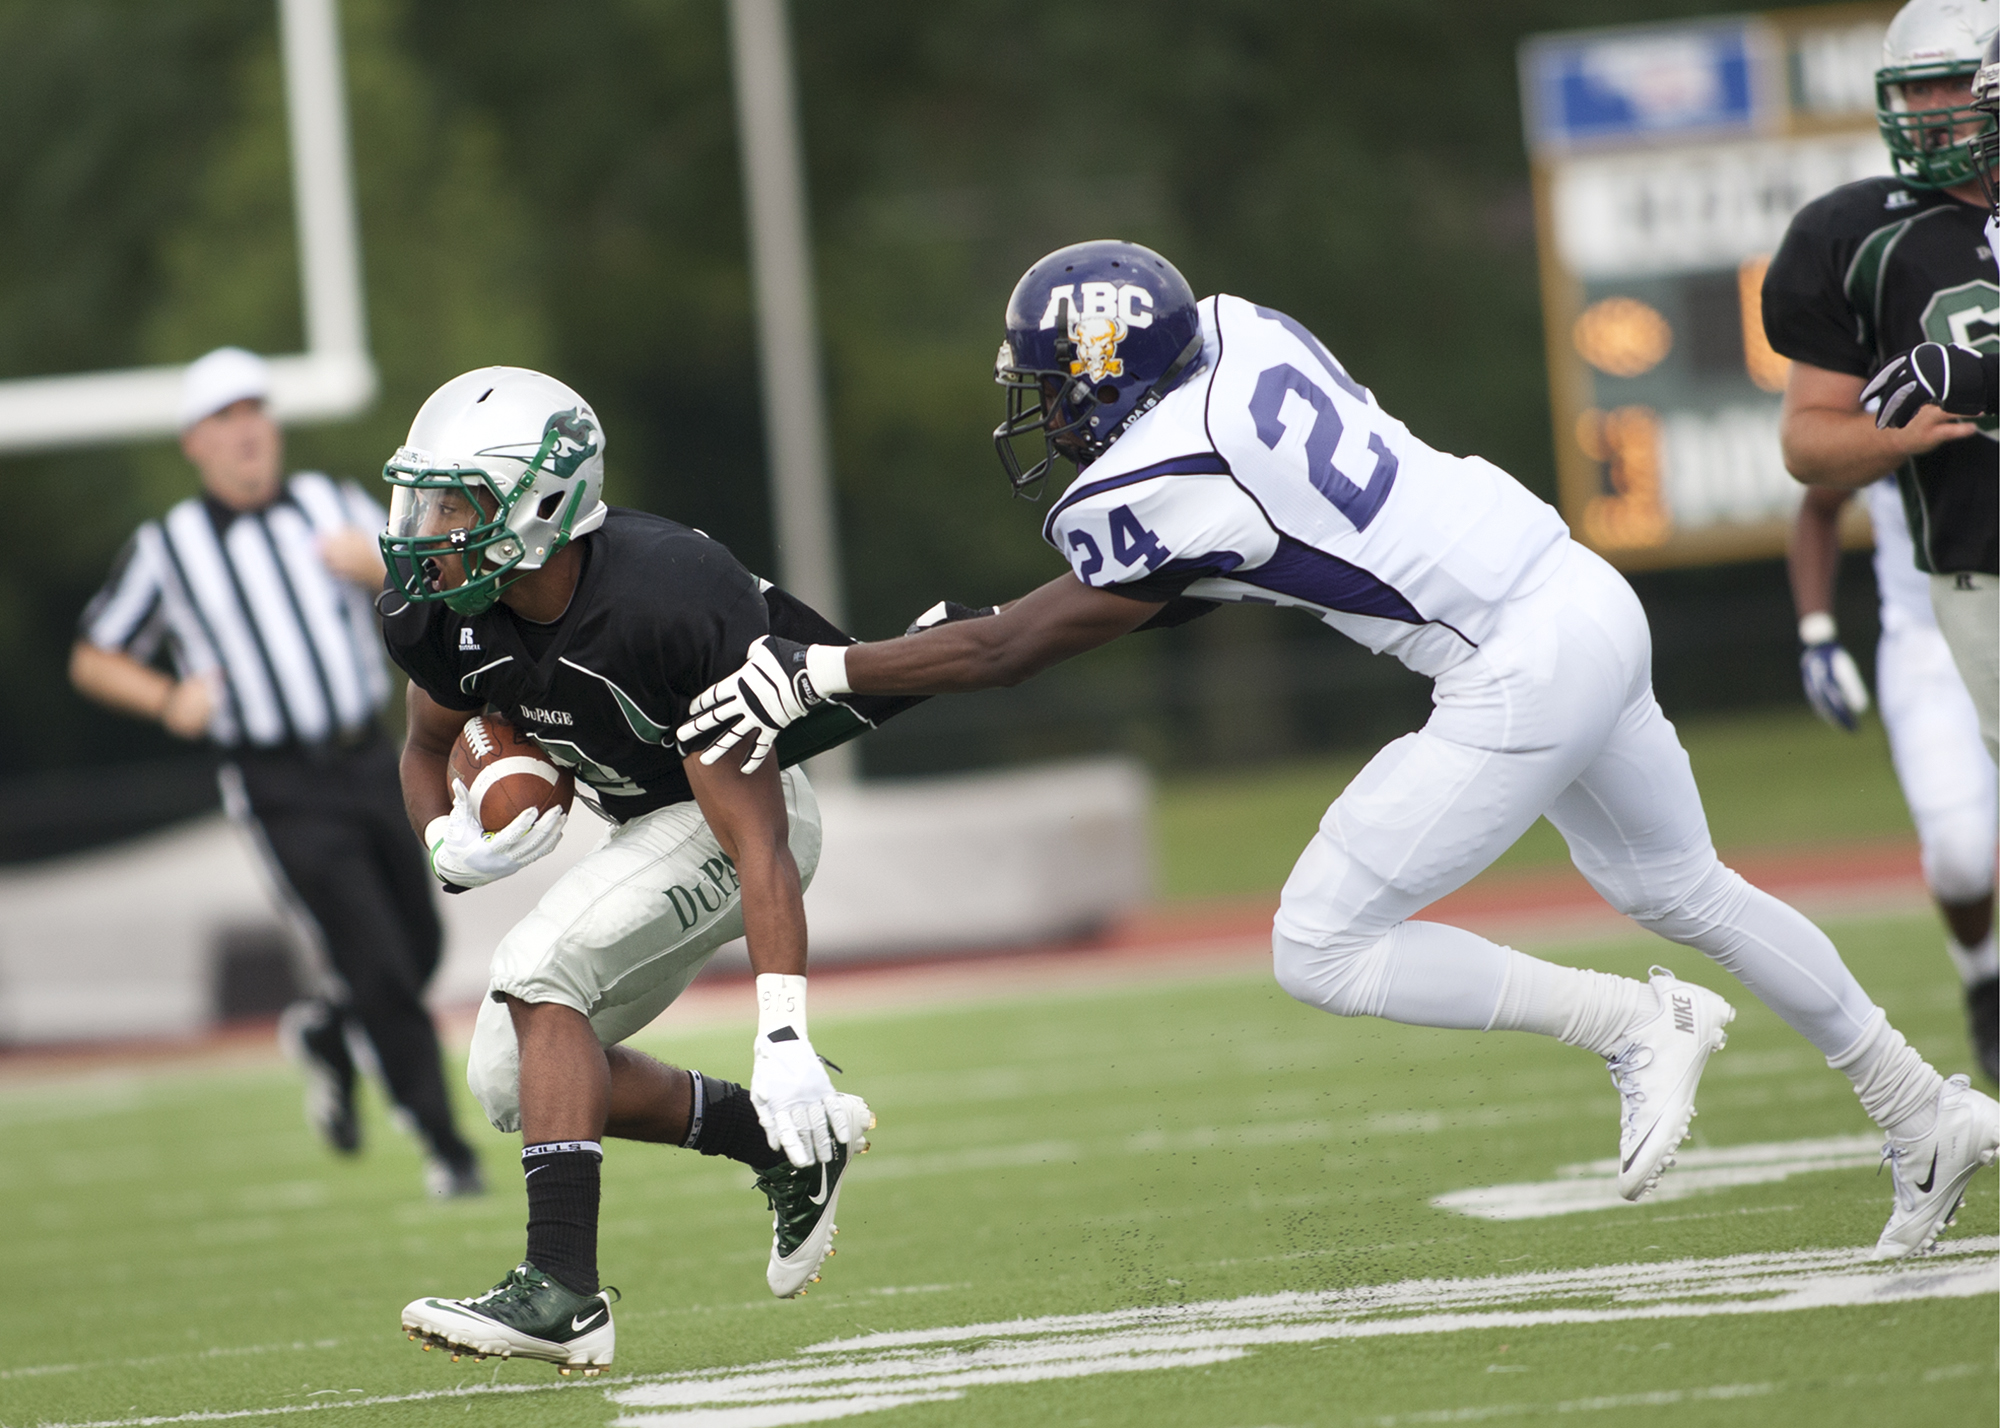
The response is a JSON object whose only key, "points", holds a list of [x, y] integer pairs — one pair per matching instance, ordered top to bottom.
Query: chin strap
{"points": [[1163, 384]]}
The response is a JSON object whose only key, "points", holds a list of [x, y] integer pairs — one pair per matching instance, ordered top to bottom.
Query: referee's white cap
{"points": [[226, 375]]}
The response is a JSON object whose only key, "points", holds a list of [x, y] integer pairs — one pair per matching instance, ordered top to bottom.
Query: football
{"points": [[504, 773]]}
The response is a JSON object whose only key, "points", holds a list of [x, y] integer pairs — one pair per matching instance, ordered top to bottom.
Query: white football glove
{"points": [[1833, 684], [768, 694], [465, 855], [795, 1102]]}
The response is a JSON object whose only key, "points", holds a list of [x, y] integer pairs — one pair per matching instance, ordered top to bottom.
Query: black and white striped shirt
{"points": [[246, 595]]}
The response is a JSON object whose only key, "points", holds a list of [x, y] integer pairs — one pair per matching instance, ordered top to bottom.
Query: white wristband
{"points": [[1817, 629], [826, 667], [781, 1002]]}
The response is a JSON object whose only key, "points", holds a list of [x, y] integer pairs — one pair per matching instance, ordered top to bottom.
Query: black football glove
{"points": [[1952, 378], [948, 612]]}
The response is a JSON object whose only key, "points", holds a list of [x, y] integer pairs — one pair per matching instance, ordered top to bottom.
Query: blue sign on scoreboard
{"points": [[1634, 85]]}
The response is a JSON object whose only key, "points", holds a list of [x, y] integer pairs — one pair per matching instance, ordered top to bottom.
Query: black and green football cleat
{"points": [[802, 1206], [527, 1315]]}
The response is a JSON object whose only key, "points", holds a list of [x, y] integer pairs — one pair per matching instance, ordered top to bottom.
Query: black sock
{"points": [[725, 1123], [563, 1184]]}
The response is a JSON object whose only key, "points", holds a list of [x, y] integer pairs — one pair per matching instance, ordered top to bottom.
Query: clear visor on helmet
{"points": [[417, 511]]}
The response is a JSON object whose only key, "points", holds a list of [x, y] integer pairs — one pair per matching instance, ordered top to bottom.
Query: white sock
{"points": [[1975, 963], [1594, 1010], [1897, 1087]]}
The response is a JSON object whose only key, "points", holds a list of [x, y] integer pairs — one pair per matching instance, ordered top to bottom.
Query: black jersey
{"points": [[1869, 271], [660, 613]]}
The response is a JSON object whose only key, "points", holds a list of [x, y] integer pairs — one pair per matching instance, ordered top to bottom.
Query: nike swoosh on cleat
{"points": [[1643, 1140], [1924, 1185], [820, 1199], [578, 1325]]}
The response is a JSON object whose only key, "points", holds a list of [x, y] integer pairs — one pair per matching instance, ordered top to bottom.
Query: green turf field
{"points": [[1768, 779], [179, 1250]]}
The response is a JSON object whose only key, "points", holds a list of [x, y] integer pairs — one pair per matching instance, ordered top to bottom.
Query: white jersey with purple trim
{"points": [[1270, 476]]}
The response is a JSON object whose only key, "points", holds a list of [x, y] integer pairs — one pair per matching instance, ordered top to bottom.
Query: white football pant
{"points": [[1968, 612], [1554, 715], [1941, 761], [621, 934]]}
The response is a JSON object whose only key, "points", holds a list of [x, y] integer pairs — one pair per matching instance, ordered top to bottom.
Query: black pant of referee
{"points": [[330, 819]]}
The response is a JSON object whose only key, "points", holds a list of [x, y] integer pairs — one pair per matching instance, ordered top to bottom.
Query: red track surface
{"points": [[1534, 907]]}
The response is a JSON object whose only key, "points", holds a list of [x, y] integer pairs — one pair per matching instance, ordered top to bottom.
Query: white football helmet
{"points": [[1928, 40], [503, 467]]}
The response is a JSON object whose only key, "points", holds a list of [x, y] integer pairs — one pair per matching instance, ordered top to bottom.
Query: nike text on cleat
{"points": [[1656, 1075], [1928, 1173], [803, 1202], [527, 1315]]}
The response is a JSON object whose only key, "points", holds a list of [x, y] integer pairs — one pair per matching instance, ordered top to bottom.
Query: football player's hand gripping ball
{"points": [[1952, 378], [1833, 684], [771, 692], [464, 855], [794, 1100]]}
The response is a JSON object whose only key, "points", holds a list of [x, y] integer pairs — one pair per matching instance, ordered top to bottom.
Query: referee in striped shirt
{"points": [[259, 592]]}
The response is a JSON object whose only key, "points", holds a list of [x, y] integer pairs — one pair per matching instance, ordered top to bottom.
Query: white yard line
{"points": [[1593, 1185], [851, 1377], [845, 1378]]}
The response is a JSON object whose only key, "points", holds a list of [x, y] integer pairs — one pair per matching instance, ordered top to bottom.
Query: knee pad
{"points": [[1958, 860], [1688, 910], [1346, 977], [493, 1067]]}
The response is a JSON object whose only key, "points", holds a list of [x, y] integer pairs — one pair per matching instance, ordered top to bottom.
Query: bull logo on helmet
{"points": [[1096, 353], [571, 440]]}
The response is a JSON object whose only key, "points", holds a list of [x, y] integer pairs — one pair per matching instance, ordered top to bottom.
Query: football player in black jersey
{"points": [[1882, 266], [1867, 273], [514, 589]]}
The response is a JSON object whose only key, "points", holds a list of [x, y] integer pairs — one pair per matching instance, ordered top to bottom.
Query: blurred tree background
{"points": [[557, 186]]}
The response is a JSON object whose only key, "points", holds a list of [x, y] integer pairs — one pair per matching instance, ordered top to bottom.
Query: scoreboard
{"points": [[1668, 160]]}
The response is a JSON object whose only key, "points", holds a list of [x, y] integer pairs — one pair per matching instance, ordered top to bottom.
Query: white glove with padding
{"points": [[772, 690], [464, 855], [796, 1104]]}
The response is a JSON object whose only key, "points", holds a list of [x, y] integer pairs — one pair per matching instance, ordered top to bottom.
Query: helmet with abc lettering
{"points": [[1934, 146], [1097, 333], [503, 467]]}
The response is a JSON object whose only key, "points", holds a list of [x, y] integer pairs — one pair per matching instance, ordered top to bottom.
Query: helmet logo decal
{"points": [[1128, 303], [1101, 316], [1097, 340], [575, 441]]}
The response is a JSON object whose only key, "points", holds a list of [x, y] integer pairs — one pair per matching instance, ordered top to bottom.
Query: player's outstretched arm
{"points": [[1828, 439], [1046, 626], [782, 678], [794, 1100]]}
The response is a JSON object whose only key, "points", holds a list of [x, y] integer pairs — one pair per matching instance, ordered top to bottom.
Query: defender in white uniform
{"points": [[1228, 457], [1941, 762]]}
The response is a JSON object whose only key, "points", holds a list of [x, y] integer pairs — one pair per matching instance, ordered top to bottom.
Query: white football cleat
{"points": [[1656, 1075], [1929, 1172], [803, 1203]]}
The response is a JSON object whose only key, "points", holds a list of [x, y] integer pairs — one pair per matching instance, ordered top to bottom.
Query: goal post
{"points": [[334, 377]]}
